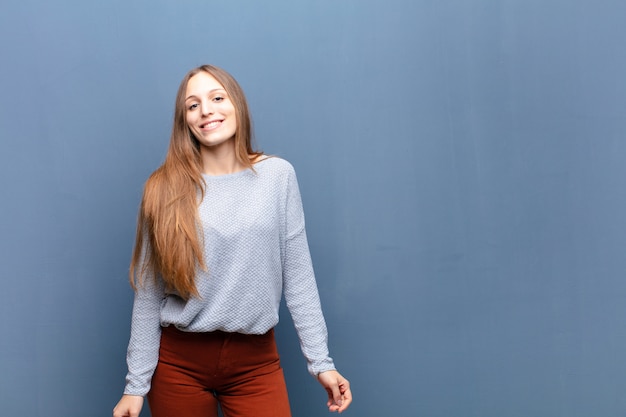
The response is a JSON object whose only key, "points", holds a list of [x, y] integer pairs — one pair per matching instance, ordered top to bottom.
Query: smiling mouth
{"points": [[211, 125]]}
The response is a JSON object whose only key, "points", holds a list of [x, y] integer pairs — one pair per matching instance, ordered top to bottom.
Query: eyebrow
{"points": [[212, 91]]}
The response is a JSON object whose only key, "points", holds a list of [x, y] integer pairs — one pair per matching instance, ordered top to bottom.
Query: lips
{"points": [[210, 125]]}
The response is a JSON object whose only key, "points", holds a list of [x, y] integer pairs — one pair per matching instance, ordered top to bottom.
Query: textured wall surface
{"points": [[461, 165]]}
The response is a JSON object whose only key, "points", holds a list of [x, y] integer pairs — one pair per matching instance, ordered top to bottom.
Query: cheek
{"points": [[190, 120]]}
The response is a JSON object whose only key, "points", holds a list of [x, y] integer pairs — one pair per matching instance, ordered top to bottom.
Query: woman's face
{"points": [[210, 113]]}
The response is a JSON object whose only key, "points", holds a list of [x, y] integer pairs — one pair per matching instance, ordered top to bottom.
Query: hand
{"points": [[338, 389], [129, 406]]}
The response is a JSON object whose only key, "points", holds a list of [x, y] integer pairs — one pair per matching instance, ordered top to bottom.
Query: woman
{"points": [[220, 238]]}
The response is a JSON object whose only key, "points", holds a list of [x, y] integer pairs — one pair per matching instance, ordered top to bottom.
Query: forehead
{"points": [[202, 83]]}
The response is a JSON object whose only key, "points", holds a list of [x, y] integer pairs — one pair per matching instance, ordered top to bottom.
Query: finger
{"points": [[346, 394], [336, 395], [331, 400], [347, 400]]}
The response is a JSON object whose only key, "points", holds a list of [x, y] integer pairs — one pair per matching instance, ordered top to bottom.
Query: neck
{"points": [[220, 160]]}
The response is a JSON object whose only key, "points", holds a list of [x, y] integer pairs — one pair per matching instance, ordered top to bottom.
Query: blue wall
{"points": [[462, 165]]}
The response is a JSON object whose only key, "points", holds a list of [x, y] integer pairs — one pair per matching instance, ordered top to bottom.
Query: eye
{"points": [[218, 99], [193, 106]]}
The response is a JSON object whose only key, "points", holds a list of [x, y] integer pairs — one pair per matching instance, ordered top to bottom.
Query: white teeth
{"points": [[211, 125]]}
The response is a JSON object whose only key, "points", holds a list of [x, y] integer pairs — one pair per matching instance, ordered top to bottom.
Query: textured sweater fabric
{"points": [[255, 249]]}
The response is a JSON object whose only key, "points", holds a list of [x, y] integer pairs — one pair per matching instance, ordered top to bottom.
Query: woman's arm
{"points": [[302, 298]]}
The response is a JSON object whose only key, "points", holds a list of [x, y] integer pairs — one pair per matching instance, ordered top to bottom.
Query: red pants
{"points": [[196, 371]]}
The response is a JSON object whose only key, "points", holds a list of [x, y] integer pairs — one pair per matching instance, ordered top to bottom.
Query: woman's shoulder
{"points": [[275, 164]]}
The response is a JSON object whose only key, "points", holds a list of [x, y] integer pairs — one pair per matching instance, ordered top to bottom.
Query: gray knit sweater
{"points": [[255, 249]]}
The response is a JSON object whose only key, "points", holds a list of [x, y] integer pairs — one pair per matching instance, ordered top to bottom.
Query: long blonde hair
{"points": [[168, 217]]}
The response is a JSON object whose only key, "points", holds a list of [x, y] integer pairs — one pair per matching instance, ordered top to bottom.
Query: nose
{"points": [[206, 107]]}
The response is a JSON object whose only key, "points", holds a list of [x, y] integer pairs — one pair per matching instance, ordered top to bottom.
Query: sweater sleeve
{"points": [[300, 288], [145, 336]]}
